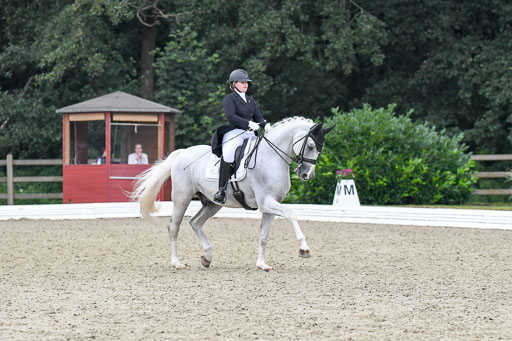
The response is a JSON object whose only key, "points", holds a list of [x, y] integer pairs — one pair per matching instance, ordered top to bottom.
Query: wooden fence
{"points": [[492, 175], [11, 179]]}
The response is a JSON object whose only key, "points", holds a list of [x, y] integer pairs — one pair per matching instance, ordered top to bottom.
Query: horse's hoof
{"points": [[304, 253], [206, 263], [179, 266], [266, 268]]}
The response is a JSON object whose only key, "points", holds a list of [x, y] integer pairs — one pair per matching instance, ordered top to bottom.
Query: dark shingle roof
{"points": [[117, 102]]}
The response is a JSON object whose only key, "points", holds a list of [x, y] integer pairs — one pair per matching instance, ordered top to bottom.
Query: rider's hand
{"points": [[253, 126], [268, 127]]}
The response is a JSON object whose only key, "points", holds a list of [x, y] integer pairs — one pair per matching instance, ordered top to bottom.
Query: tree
{"points": [[149, 15], [301, 56], [448, 60], [48, 61], [187, 80]]}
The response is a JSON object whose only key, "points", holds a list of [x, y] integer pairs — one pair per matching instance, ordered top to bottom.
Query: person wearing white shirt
{"points": [[138, 158]]}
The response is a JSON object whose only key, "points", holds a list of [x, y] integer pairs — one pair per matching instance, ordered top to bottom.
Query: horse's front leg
{"points": [[272, 206], [266, 220]]}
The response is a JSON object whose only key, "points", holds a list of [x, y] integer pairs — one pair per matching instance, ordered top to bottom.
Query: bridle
{"points": [[299, 159]]}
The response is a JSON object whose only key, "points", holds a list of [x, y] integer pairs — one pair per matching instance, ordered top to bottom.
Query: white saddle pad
{"points": [[211, 172]]}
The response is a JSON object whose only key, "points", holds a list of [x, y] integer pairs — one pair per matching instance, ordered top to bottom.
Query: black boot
{"points": [[225, 174]]}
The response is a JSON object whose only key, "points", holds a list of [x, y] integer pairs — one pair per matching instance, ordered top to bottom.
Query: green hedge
{"points": [[394, 160]]}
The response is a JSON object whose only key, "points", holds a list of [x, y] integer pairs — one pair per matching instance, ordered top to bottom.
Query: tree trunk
{"points": [[146, 61]]}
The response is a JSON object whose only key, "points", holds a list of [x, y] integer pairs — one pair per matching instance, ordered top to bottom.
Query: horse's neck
{"points": [[283, 136]]}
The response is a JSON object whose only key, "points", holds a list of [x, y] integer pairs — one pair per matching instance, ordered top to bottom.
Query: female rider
{"points": [[244, 120]]}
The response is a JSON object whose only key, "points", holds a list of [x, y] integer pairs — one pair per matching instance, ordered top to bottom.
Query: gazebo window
{"points": [[128, 130], [86, 139], [168, 145]]}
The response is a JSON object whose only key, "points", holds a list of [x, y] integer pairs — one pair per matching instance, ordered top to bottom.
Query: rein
{"points": [[220, 145], [298, 159]]}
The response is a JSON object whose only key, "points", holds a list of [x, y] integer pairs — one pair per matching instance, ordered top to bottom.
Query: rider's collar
{"points": [[242, 94]]}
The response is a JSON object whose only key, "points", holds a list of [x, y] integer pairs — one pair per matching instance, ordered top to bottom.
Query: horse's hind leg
{"points": [[178, 211], [207, 211]]}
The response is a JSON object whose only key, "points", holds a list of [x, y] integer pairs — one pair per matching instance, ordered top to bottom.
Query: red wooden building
{"points": [[98, 137]]}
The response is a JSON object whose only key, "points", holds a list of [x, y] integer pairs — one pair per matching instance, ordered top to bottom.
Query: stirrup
{"points": [[220, 196]]}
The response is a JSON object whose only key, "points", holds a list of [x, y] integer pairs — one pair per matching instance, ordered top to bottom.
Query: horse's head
{"points": [[307, 148]]}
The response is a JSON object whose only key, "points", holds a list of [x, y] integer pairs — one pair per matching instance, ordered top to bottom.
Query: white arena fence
{"points": [[442, 217]]}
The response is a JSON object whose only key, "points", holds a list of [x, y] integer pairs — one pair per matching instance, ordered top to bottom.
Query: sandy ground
{"points": [[112, 279]]}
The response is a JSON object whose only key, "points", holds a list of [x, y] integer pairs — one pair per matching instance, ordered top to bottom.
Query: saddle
{"points": [[211, 172]]}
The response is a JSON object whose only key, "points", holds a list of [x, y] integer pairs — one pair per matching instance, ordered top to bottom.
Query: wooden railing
{"points": [[492, 175], [11, 179]]}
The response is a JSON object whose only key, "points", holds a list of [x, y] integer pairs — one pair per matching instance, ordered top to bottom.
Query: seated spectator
{"points": [[138, 158], [101, 160]]}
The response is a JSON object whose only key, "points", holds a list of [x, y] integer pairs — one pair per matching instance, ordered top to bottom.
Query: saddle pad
{"points": [[211, 172]]}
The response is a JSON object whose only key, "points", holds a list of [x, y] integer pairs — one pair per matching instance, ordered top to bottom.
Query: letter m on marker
{"points": [[349, 191]]}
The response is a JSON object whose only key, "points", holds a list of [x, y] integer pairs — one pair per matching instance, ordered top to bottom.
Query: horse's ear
{"points": [[317, 127], [328, 129]]}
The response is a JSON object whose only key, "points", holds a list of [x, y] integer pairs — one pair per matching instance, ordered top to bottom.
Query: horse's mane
{"points": [[290, 119]]}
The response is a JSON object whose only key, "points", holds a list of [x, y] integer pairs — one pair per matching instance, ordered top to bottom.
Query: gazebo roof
{"points": [[117, 102]]}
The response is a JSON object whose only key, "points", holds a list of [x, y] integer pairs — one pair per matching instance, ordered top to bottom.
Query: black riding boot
{"points": [[225, 174]]}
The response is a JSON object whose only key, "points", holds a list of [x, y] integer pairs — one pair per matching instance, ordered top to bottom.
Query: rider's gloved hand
{"points": [[253, 126], [268, 127]]}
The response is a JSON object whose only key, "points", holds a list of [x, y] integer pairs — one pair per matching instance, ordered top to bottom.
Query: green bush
{"points": [[394, 160]]}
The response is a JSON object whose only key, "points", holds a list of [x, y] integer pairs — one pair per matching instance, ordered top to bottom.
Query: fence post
{"points": [[10, 187]]}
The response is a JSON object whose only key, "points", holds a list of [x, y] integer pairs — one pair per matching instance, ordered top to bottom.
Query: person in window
{"points": [[244, 119], [138, 158], [101, 160]]}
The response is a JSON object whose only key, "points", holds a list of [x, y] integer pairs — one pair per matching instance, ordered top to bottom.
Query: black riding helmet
{"points": [[239, 75]]}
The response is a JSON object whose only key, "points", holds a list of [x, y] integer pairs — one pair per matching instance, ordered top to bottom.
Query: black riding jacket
{"points": [[239, 113]]}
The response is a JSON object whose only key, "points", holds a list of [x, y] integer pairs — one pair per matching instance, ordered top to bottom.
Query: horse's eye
{"points": [[311, 146]]}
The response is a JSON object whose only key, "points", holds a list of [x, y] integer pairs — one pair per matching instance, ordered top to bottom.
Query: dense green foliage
{"points": [[447, 60], [443, 62], [450, 62], [184, 69], [394, 160]]}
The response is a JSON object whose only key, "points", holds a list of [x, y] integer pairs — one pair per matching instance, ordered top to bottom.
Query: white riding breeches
{"points": [[230, 143]]}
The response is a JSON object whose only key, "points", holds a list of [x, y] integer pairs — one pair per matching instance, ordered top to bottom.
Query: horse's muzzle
{"points": [[306, 172], [305, 176]]}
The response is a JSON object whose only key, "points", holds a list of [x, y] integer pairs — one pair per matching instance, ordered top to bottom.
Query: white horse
{"points": [[264, 186]]}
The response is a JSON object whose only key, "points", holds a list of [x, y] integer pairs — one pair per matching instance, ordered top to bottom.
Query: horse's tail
{"points": [[148, 183]]}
